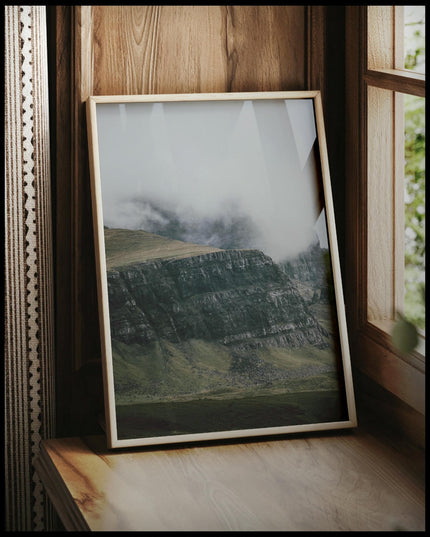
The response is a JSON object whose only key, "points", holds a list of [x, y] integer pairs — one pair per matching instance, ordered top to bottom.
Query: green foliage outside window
{"points": [[415, 184], [415, 210]]}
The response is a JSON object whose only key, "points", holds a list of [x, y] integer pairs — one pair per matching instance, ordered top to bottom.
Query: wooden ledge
{"points": [[331, 482]]}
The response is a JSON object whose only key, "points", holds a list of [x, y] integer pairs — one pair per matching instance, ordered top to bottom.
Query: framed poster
{"points": [[221, 306]]}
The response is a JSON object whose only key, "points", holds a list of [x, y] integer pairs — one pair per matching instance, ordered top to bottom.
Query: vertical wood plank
{"points": [[194, 37], [380, 37], [399, 44], [316, 45], [266, 48], [190, 49], [124, 63], [399, 164], [380, 203], [399, 203]]}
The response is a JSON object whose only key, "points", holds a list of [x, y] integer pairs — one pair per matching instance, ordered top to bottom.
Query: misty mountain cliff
{"points": [[233, 230], [311, 273], [239, 298], [186, 318]]}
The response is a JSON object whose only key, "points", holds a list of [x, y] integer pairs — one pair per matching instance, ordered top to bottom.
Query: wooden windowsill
{"points": [[417, 357], [404, 376], [344, 481]]}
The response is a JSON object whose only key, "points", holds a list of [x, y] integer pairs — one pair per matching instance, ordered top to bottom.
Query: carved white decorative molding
{"points": [[29, 330]]}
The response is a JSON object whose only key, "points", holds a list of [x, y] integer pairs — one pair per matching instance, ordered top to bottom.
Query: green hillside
{"points": [[126, 247], [167, 371]]}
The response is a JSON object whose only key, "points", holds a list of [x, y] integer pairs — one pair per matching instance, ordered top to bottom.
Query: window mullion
{"points": [[399, 44], [380, 205]]}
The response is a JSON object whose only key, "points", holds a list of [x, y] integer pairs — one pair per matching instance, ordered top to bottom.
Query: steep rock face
{"points": [[311, 273], [239, 298]]}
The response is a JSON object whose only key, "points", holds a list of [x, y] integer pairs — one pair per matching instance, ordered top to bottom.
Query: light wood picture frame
{"points": [[220, 297]]}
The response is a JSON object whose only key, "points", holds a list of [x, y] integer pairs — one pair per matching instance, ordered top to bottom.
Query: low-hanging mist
{"points": [[226, 173]]}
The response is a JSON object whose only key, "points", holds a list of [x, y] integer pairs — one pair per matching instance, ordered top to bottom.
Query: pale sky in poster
{"points": [[205, 159]]}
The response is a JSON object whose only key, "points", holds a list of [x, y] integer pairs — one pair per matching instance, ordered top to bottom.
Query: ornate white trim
{"points": [[29, 286]]}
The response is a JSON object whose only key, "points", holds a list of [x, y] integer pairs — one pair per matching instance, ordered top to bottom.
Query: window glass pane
{"points": [[414, 36], [414, 307]]}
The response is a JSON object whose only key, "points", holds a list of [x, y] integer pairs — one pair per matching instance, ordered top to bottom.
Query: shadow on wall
{"points": [[87, 407]]}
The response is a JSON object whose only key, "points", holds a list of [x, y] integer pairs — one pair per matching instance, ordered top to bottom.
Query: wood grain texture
{"points": [[380, 44], [196, 49], [316, 50], [396, 80], [399, 202], [380, 205], [326, 483], [59, 494]]}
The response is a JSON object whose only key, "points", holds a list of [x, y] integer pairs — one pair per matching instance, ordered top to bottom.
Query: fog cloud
{"points": [[225, 163]]}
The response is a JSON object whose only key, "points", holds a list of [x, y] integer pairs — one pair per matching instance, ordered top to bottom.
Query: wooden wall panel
{"points": [[191, 49], [107, 50]]}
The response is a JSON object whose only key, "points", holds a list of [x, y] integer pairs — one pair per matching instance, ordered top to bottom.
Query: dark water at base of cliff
{"points": [[209, 415]]}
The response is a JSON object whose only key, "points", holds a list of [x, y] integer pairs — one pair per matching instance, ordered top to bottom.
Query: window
{"points": [[414, 37], [385, 145], [395, 165], [414, 173], [414, 199]]}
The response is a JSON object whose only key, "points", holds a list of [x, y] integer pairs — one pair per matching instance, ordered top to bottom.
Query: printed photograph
{"points": [[221, 298]]}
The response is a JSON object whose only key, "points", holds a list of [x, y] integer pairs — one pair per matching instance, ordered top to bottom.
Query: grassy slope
{"points": [[125, 247], [175, 371]]}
